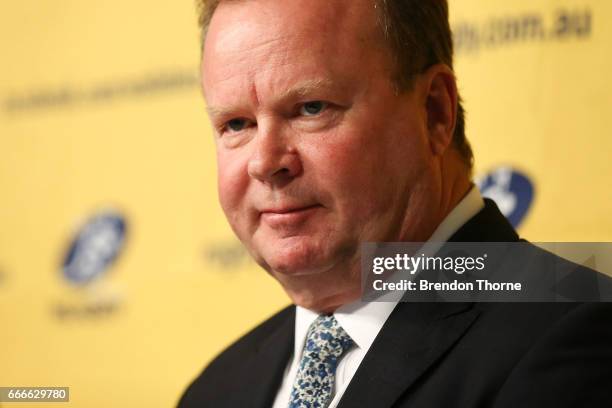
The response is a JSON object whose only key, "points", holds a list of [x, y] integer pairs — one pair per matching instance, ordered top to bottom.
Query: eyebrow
{"points": [[306, 87], [303, 88], [213, 111]]}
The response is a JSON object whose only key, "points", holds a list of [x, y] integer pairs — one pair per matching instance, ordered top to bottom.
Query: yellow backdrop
{"points": [[118, 274]]}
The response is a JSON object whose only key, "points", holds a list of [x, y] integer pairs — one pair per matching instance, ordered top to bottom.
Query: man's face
{"points": [[316, 151]]}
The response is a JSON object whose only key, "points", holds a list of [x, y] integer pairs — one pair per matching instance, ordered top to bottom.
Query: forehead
{"points": [[344, 19], [247, 38]]}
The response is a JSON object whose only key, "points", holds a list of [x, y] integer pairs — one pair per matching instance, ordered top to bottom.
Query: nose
{"points": [[274, 160]]}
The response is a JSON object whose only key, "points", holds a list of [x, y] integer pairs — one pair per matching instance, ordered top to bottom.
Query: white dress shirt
{"points": [[363, 320]]}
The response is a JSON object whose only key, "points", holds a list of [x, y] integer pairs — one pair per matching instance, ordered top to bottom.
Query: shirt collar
{"points": [[468, 207], [363, 320]]}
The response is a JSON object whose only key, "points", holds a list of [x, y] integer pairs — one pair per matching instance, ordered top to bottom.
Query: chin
{"points": [[295, 257], [295, 264], [322, 296], [312, 301]]}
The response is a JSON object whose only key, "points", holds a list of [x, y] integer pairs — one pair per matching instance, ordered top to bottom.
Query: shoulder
{"points": [[561, 278], [570, 296], [530, 323], [254, 339], [556, 353], [565, 364], [231, 366]]}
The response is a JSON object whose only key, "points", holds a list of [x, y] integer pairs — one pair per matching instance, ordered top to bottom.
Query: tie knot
{"points": [[327, 338]]}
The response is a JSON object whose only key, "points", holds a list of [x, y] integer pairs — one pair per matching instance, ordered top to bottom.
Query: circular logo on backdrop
{"points": [[511, 190], [95, 247]]}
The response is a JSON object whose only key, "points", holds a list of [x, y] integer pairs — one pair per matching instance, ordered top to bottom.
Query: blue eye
{"points": [[313, 108], [236, 125]]}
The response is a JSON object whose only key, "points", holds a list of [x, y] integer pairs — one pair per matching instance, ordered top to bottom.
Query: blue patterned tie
{"points": [[326, 341]]}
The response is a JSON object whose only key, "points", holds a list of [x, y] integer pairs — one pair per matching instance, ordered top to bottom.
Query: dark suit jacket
{"points": [[441, 354]]}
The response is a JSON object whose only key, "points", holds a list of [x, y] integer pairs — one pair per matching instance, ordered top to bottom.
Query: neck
{"points": [[455, 182]]}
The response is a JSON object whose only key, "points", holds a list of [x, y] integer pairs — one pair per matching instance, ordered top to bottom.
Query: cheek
{"points": [[354, 160], [368, 168], [349, 178], [232, 183]]}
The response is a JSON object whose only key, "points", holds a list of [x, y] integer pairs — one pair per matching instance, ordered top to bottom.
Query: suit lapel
{"points": [[416, 335], [265, 368]]}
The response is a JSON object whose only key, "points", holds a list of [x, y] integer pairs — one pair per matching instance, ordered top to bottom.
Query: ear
{"points": [[440, 97]]}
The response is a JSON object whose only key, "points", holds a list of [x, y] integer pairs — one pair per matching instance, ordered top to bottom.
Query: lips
{"points": [[287, 216]]}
